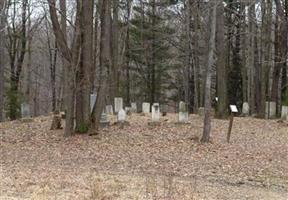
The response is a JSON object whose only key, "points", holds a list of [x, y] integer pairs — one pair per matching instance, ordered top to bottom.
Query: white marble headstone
{"points": [[93, 98], [118, 104], [133, 107], [146, 107], [245, 108], [109, 109], [25, 110], [270, 110], [155, 112], [284, 113], [183, 115], [121, 117]]}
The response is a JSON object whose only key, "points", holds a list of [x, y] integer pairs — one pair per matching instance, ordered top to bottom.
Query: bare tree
{"points": [[2, 63], [207, 101]]}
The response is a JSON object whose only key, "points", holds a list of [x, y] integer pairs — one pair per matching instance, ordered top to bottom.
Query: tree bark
{"points": [[2, 63], [207, 108], [222, 111]]}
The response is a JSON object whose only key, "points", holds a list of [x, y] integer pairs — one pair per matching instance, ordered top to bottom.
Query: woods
{"points": [[144, 51]]}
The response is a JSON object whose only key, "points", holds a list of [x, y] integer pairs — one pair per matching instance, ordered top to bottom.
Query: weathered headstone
{"points": [[93, 98], [118, 104], [134, 107], [146, 107], [109, 109], [245, 109], [25, 110], [128, 110], [270, 110], [155, 112], [284, 113], [183, 115], [121, 117], [104, 120]]}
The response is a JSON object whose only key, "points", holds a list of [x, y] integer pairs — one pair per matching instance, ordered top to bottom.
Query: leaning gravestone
{"points": [[93, 98], [118, 104], [134, 107], [146, 107], [109, 109], [245, 109], [25, 110], [270, 110], [155, 112], [183, 113], [284, 113], [121, 117]]}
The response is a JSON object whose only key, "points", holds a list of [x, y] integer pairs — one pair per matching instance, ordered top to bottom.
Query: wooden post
{"points": [[233, 110], [230, 127]]}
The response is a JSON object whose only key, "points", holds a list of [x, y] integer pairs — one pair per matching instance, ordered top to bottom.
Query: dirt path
{"points": [[144, 162]]}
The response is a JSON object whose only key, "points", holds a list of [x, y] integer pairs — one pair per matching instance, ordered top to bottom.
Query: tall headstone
{"points": [[93, 98], [118, 104], [134, 107], [146, 107], [109, 109], [245, 109], [25, 110], [270, 110], [155, 112], [183, 113], [284, 113], [121, 116]]}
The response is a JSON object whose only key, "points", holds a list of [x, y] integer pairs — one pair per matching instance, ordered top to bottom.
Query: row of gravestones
{"points": [[270, 110], [183, 113]]}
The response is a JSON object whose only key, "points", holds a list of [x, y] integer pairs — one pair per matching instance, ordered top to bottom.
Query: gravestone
{"points": [[93, 98], [118, 104], [134, 107], [146, 107], [109, 109], [245, 109], [25, 110], [128, 110], [270, 110], [155, 112], [284, 113], [183, 115], [121, 117], [104, 120]]}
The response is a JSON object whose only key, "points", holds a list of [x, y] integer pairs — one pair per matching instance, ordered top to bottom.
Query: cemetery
{"points": [[143, 100], [136, 154]]}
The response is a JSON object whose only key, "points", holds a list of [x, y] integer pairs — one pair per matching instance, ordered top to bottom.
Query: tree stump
{"points": [[56, 122]]}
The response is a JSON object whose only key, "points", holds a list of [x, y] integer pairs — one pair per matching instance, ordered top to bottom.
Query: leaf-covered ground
{"points": [[141, 161]]}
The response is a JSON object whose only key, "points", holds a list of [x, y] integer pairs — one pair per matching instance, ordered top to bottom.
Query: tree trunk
{"points": [[105, 62], [2, 63], [83, 76], [222, 111], [207, 116]]}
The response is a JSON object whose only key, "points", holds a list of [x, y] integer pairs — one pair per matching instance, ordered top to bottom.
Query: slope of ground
{"points": [[141, 161]]}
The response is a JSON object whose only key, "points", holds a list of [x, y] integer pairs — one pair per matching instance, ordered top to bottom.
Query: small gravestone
{"points": [[93, 98], [118, 104], [134, 107], [146, 107], [109, 109], [245, 109], [25, 110], [128, 110], [270, 110], [201, 111], [155, 112], [284, 113], [183, 115], [121, 116], [104, 120]]}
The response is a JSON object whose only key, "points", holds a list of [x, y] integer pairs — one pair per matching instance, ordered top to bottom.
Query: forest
{"points": [[87, 71]]}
